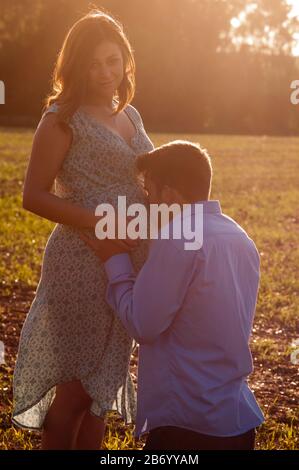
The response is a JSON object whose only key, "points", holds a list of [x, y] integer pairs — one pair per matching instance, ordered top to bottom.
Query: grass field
{"points": [[257, 181]]}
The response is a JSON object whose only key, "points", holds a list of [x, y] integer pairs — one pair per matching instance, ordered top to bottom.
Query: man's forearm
{"points": [[121, 276]]}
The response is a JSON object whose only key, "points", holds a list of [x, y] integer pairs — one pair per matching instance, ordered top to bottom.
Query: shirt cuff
{"points": [[117, 265]]}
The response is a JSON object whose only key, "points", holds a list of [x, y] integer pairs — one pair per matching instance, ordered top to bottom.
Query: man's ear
{"points": [[168, 194], [171, 194]]}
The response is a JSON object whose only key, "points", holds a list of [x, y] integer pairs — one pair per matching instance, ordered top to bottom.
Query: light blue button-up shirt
{"points": [[192, 313]]}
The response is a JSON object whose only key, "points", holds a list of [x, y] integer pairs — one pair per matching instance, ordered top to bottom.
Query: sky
{"points": [[295, 4], [295, 11]]}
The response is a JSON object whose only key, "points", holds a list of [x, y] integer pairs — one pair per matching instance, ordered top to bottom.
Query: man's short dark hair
{"points": [[181, 165]]}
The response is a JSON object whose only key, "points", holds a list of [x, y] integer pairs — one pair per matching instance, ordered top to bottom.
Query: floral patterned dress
{"points": [[70, 332]]}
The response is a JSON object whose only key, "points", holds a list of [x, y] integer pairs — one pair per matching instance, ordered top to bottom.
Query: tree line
{"points": [[213, 66]]}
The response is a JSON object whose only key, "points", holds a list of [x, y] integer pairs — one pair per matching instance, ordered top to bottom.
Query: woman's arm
{"points": [[51, 143]]}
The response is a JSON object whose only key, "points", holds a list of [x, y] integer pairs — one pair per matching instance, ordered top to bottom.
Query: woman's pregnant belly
{"points": [[70, 267]]}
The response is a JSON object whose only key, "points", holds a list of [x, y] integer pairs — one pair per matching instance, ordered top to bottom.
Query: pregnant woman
{"points": [[73, 358]]}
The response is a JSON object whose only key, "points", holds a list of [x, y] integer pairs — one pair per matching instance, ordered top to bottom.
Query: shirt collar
{"points": [[209, 207]]}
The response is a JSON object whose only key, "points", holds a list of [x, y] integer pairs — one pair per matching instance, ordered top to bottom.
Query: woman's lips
{"points": [[106, 83]]}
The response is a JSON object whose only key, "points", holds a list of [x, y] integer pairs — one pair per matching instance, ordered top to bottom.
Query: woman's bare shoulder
{"points": [[51, 125], [52, 132]]}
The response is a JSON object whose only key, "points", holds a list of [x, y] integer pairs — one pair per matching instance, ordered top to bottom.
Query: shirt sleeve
{"points": [[148, 303]]}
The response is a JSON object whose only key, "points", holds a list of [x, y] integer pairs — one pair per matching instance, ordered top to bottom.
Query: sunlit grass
{"points": [[257, 181]]}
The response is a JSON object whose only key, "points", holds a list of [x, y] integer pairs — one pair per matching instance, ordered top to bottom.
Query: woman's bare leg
{"points": [[65, 415], [91, 432]]}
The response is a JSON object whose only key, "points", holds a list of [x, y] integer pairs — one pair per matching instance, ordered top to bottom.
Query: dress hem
{"points": [[102, 415]]}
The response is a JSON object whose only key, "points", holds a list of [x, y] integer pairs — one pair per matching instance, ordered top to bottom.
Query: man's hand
{"points": [[131, 242], [104, 249]]}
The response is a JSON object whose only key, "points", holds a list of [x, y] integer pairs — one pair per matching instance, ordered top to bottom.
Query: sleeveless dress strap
{"points": [[53, 108], [135, 116]]}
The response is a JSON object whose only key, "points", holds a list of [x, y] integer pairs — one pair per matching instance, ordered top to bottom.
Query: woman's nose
{"points": [[103, 73]]}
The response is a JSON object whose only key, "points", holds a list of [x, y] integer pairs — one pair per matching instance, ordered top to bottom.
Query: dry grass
{"points": [[257, 181]]}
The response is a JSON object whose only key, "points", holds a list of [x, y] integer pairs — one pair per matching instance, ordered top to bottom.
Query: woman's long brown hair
{"points": [[70, 72]]}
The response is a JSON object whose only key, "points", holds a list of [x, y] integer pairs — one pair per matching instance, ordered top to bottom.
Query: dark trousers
{"points": [[174, 438]]}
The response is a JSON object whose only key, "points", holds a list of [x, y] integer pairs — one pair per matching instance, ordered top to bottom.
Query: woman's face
{"points": [[106, 70]]}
